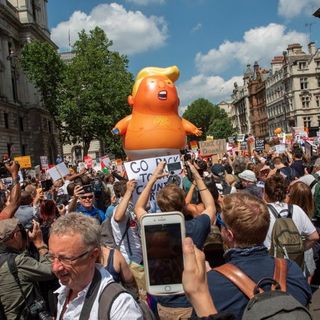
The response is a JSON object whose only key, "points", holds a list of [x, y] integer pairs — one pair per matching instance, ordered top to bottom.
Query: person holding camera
{"points": [[15, 193], [83, 201], [19, 272]]}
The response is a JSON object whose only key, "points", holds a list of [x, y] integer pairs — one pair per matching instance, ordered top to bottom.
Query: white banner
{"points": [[141, 171]]}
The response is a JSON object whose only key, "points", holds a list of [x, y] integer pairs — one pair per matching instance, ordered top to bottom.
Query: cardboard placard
{"points": [[210, 147], [24, 162], [44, 162], [141, 171]]}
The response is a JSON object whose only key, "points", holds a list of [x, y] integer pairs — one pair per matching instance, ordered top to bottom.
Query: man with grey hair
{"points": [[74, 247]]}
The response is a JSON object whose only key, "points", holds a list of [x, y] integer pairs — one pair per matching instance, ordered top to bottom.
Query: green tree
{"points": [[44, 67], [95, 91], [200, 113], [221, 128]]}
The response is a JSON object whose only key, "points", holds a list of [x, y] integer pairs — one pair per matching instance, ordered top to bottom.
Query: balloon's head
{"points": [[154, 90]]}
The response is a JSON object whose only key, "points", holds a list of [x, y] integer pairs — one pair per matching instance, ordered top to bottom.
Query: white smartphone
{"points": [[161, 236]]}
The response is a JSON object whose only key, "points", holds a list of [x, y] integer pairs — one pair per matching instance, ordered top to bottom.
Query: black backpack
{"points": [[108, 295], [275, 304]]}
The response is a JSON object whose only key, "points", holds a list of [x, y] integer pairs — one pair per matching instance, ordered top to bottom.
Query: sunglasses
{"points": [[86, 197]]}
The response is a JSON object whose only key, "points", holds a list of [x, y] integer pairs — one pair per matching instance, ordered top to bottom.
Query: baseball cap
{"points": [[218, 170], [248, 175], [7, 227]]}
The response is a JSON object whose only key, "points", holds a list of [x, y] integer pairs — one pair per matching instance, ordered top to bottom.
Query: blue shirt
{"points": [[94, 212], [256, 263]]}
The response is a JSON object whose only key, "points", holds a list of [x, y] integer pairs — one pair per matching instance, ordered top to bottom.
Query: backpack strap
{"points": [[273, 211], [280, 273], [238, 278], [109, 294], [90, 296]]}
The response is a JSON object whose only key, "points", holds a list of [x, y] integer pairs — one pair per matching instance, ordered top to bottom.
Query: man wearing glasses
{"points": [[82, 201], [13, 242], [74, 249]]}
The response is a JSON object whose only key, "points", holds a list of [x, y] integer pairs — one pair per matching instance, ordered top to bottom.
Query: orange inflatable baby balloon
{"points": [[154, 128]]}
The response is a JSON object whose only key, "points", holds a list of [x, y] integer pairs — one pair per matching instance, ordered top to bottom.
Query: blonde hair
{"points": [[171, 73], [248, 218]]}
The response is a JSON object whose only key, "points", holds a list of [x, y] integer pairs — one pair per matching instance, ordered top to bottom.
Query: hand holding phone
{"points": [[162, 235]]}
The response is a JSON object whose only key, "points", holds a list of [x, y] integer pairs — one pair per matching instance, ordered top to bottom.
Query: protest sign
{"points": [[240, 137], [231, 140], [194, 145], [243, 145], [259, 145], [210, 147], [280, 148], [308, 149], [88, 161], [24, 162], [44, 162], [141, 171], [58, 172]]}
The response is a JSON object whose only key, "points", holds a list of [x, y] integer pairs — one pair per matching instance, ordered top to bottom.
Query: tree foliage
{"points": [[44, 67], [95, 91], [200, 113], [210, 118]]}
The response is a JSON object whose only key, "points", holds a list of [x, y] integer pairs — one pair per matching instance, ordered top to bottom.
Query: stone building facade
{"points": [[293, 90], [257, 102], [241, 104], [26, 127]]}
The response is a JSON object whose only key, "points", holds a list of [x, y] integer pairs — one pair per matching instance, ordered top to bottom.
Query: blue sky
{"points": [[211, 41]]}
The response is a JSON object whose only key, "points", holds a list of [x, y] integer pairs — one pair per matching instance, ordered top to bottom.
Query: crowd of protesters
{"points": [[62, 246]]}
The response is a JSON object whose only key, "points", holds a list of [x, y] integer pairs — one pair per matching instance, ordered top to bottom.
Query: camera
{"points": [[4, 173], [173, 179], [38, 309]]}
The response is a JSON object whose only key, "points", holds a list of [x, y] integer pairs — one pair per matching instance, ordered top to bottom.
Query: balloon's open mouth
{"points": [[162, 95]]}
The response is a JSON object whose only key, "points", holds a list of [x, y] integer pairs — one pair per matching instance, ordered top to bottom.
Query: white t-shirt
{"points": [[299, 217], [132, 237], [123, 307]]}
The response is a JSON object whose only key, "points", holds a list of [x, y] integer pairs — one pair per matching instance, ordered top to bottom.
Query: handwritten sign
{"points": [[211, 147], [24, 161], [141, 171]]}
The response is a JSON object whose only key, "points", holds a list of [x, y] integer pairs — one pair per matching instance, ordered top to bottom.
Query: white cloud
{"points": [[146, 2], [293, 8], [197, 27], [131, 31], [258, 44], [213, 88]]}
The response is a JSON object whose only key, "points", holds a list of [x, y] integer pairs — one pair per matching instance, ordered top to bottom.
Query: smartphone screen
{"points": [[174, 166], [164, 253]]}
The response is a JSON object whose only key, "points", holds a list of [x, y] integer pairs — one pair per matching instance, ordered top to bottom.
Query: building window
{"points": [[318, 64], [302, 65], [318, 82], [303, 83], [305, 100], [318, 101], [6, 120], [318, 121], [307, 122], [21, 123], [49, 126], [9, 146], [24, 149]]}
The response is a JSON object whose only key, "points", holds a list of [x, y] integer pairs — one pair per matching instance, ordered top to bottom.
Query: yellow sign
{"points": [[24, 161]]}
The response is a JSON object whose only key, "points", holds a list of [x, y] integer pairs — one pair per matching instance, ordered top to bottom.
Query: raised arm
{"points": [[15, 194], [207, 199], [141, 204], [120, 212]]}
